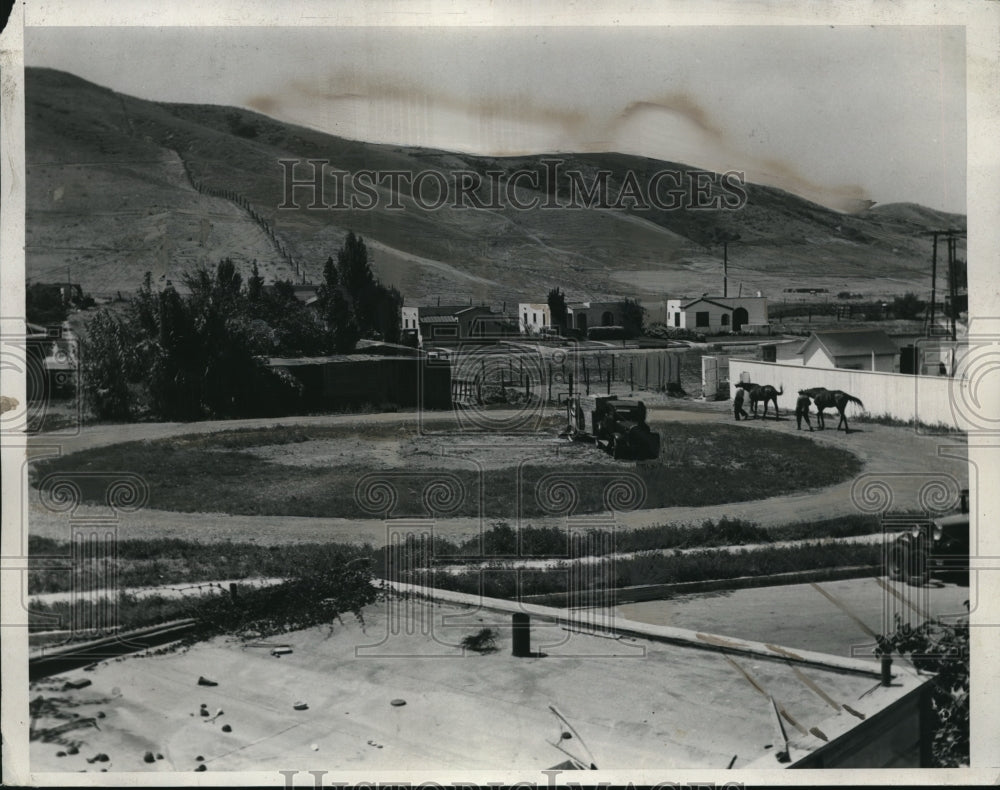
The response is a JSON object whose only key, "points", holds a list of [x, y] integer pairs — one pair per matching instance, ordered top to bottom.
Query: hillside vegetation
{"points": [[118, 186]]}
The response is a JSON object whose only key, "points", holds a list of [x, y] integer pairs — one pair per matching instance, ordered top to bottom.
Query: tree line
{"points": [[204, 354]]}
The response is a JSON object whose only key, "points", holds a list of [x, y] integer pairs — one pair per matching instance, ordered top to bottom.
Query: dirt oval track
{"points": [[894, 458]]}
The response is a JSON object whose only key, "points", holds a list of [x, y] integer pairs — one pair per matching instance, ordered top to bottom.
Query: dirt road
{"points": [[895, 459]]}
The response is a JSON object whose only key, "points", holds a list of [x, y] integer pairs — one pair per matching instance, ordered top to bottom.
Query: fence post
{"points": [[631, 375], [550, 381], [609, 382], [571, 385]]}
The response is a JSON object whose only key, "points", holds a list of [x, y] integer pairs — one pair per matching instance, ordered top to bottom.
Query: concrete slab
{"points": [[833, 617], [637, 703]]}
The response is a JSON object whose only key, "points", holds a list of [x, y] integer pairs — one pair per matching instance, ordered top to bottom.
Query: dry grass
{"points": [[701, 464]]}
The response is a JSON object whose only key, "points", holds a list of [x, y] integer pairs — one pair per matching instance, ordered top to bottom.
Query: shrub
{"points": [[483, 641], [942, 648]]}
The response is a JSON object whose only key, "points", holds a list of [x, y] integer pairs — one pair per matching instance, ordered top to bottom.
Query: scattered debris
{"points": [[483, 641], [281, 651], [203, 681], [76, 684], [398, 703], [300, 706], [100, 714], [227, 728], [314, 747], [72, 750], [60, 754], [159, 756], [100, 757], [148, 757], [199, 759], [202, 767]]}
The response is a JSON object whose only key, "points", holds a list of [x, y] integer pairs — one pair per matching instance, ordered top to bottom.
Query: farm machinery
{"points": [[617, 426]]}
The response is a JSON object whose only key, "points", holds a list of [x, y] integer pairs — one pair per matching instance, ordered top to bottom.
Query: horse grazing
{"points": [[758, 392], [831, 399]]}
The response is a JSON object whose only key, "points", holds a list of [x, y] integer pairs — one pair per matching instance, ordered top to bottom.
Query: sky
{"points": [[839, 115]]}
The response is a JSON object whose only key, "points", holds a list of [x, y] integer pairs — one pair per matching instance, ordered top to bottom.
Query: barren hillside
{"points": [[118, 186]]}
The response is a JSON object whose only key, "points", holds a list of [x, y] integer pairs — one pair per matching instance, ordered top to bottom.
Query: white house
{"points": [[714, 314], [583, 315], [533, 316], [409, 317], [870, 349]]}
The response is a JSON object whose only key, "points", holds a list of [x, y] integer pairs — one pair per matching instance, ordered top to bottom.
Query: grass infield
{"points": [[700, 464]]}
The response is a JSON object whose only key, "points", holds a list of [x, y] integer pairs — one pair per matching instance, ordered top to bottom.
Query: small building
{"points": [[715, 314], [584, 315], [533, 317], [408, 318], [448, 324], [869, 349], [784, 351], [53, 362]]}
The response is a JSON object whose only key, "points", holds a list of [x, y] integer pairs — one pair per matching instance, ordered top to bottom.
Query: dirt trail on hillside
{"points": [[896, 458]]}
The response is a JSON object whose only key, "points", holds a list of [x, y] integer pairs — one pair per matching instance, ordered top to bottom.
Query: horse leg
{"points": [[776, 409], [820, 419], [843, 419]]}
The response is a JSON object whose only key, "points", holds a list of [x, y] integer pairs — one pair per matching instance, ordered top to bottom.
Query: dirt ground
{"points": [[896, 459]]}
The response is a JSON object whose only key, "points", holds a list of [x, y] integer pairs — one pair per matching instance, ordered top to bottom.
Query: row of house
{"points": [[451, 323], [454, 323]]}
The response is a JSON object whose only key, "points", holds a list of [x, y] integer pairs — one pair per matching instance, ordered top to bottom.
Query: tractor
{"points": [[619, 426]]}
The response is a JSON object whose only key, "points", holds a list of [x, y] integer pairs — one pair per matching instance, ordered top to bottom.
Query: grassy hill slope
{"points": [[113, 192]]}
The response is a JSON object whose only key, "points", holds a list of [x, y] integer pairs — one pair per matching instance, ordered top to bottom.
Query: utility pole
{"points": [[951, 238], [725, 268], [952, 283], [930, 324]]}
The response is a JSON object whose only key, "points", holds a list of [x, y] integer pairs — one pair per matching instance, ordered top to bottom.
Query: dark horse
{"points": [[766, 392], [831, 399]]}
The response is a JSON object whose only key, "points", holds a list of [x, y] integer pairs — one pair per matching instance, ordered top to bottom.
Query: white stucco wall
{"points": [[532, 316], [930, 399]]}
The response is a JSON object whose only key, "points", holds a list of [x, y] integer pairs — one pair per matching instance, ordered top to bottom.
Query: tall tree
{"points": [[352, 264], [255, 285], [375, 307], [558, 309], [633, 317], [345, 328], [109, 367]]}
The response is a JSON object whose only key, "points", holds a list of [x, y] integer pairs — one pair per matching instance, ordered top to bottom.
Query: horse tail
{"points": [[781, 391], [852, 399]]}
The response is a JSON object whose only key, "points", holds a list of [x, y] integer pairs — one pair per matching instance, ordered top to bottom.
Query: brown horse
{"points": [[758, 392], [831, 399]]}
